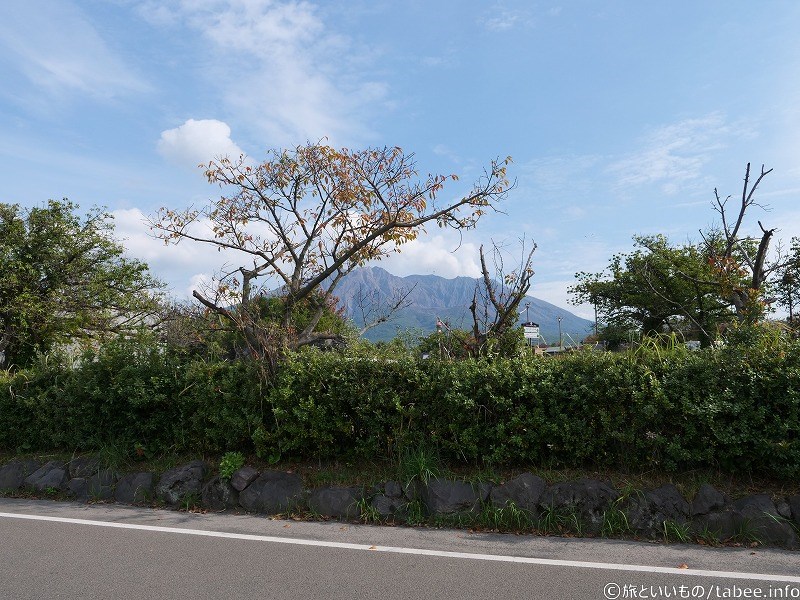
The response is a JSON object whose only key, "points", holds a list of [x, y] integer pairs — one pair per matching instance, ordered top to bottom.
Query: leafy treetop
{"points": [[63, 277]]}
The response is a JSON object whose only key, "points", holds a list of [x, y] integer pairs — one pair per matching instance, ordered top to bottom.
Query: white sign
{"points": [[531, 330]]}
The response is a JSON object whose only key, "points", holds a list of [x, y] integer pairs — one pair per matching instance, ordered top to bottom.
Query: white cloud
{"points": [[156, 12], [499, 18], [502, 21], [57, 48], [436, 61], [284, 73], [197, 142], [446, 152], [675, 154], [572, 173], [575, 212], [435, 255], [184, 266], [200, 282]]}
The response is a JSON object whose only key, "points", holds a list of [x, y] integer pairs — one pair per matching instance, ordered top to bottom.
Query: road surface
{"points": [[53, 550]]}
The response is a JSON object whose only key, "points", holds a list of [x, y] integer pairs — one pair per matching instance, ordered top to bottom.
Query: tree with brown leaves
{"points": [[304, 218]]}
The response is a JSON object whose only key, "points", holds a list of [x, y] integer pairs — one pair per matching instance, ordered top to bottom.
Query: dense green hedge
{"points": [[735, 409]]}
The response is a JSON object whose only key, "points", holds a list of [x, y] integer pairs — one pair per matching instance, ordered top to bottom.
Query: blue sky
{"points": [[621, 116]]}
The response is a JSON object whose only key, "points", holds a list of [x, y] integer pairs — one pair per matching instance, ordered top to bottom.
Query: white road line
{"points": [[417, 551]]}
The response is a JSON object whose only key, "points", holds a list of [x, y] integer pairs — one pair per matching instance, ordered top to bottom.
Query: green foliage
{"points": [[62, 278], [787, 286], [655, 289], [271, 309], [266, 313], [616, 336], [760, 337], [448, 343], [459, 344], [659, 347], [133, 400], [329, 405], [735, 409], [115, 456], [230, 463], [419, 464], [415, 513], [369, 514], [506, 518], [554, 520], [615, 522], [676, 532], [747, 532], [708, 537]]}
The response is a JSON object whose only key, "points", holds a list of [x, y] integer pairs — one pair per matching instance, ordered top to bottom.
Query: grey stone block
{"points": [[83, 466], [14, 473], [52, 475], [243, 477], [181, 481], [100, 486], [78, 487], [134, 488], [392, 489], [524, 491], [272, 493], [589, 494], [219, 495], [442, 496], [587, 497], [707, 500], [336, 502], [387, 507], [794, 507], [783, 508], [648, 513], [759, 514], [752, 518]]}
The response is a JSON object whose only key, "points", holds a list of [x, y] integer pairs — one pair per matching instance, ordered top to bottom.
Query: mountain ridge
{"points": [[434, 297]]}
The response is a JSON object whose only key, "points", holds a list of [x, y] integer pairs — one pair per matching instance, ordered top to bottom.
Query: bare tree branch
{"points": [[497, 296]]}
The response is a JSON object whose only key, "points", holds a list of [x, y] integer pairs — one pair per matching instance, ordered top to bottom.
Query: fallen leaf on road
{"points": [[683, 566]]}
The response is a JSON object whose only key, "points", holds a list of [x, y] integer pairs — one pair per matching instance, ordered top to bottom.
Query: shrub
{"points": [[736, 408], [230, 463]]}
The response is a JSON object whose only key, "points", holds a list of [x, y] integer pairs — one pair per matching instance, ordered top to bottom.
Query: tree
{"points": [[306, 217], [740, 262], [62, 277], [722, 278], [787, 284], [655, 289], [495, 303], [494, 309], [447, 343]]}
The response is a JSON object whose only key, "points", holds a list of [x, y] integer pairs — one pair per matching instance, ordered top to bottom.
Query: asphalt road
{"points": [[52, 550]]}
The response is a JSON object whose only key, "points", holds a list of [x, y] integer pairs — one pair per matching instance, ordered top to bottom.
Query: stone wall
{"points": [[590, 505]]}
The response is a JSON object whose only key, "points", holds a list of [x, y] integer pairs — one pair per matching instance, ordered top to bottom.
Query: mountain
{"points": [[433, 297]]}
